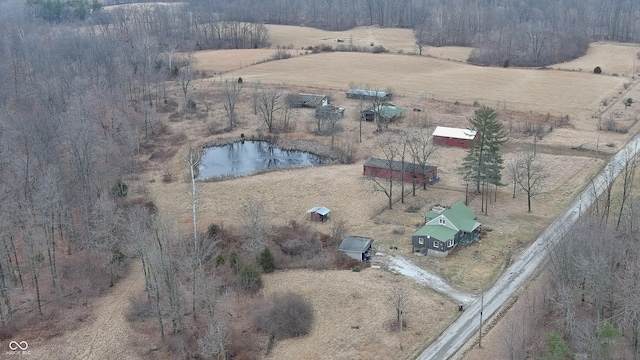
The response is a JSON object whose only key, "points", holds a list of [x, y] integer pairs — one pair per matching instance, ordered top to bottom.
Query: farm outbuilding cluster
{"points": [[448, 136], [399, 171]]}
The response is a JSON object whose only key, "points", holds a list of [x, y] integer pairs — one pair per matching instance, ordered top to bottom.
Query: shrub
{"points": [[378, 49], [280, 55], [505, 63], [597, 70], [119, 189], [212, 231], [219, 260], [266, 260], [234, 262], [250, 279], [139, 308], [287, 315], [7, 331]]}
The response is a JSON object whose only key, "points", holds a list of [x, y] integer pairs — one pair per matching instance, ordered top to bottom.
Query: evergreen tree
{"points": [[484, 163], [266, 261]]}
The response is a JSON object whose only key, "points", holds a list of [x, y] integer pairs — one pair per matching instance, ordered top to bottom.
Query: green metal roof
{"points": [[390, 112], [459, 215], [437, 231]]}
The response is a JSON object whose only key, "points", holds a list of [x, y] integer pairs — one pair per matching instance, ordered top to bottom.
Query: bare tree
{"points": [[187, 73], [232, 89], [255, 95], [268, 105], [389, 147], [422, 149], [513, 169], [628, 173], [532, 175], [106, 220], [255, 226], [163, 266], [627, 296], [215, 339]]}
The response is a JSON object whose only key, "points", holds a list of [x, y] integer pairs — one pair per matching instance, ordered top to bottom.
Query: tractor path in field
{"points": [[107, 335]]}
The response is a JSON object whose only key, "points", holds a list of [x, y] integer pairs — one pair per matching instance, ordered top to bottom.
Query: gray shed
{"points": [[356, 247]]}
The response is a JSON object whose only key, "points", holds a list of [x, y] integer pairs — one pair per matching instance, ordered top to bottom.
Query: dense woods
{"points": [[80, 89]]}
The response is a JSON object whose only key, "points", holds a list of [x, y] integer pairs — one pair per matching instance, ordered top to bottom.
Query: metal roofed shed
{"points": [[367, 94], [302, 100], [448, 136], [319, 213], [356, 247]]}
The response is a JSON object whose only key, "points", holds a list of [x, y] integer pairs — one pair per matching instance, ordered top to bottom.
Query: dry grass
{"points": [[301, 37], [613, 58], [420, 82], [558, 93], [352, 313]]}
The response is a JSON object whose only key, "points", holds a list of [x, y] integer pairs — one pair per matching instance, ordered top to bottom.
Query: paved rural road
{"points": [[452, 339]]}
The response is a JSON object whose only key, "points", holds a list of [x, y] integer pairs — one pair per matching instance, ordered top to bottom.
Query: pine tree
{"points": [[484, 163], [266, 261]]}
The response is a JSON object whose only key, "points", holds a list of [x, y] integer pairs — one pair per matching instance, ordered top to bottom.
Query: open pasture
{"points": [[612, 58], [554, 92]]}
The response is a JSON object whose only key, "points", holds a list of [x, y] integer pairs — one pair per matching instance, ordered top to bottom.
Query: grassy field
{"points": [[431, 84]]}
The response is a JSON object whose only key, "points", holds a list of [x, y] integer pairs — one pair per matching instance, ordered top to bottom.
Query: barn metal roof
{"points": [[371, 93], [455, 133], [319, 210], [355, 244]]}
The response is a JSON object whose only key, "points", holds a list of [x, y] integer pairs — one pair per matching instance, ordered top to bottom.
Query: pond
{"points": [[250, 157]]}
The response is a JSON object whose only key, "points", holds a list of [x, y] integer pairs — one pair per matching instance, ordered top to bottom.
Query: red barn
{"points": [[446, 136], [413, 173]]}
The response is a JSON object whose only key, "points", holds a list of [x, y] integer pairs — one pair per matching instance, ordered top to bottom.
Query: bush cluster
{"points": [[287, 315]]}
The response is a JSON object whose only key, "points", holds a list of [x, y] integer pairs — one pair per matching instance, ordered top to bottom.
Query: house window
{"points": [[442, 221], [420, 241], [450, 243], [436, 244]]}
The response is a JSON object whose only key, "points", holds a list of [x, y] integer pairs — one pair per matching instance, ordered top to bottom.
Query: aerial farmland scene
{"points": [[336, 179]]}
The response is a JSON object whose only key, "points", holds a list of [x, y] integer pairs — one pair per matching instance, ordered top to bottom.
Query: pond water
{"points": [[250, 157]]}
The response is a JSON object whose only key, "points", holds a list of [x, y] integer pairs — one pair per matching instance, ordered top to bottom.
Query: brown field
{"points": [[297, 37], [613, 58], [422, 82], [554, 92], [352, 314]]}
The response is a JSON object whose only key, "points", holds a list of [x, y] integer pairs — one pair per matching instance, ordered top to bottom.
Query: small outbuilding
{"points": [[329, 111], [387, 112], [456, 137], [319, 213], [356, 247]]}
